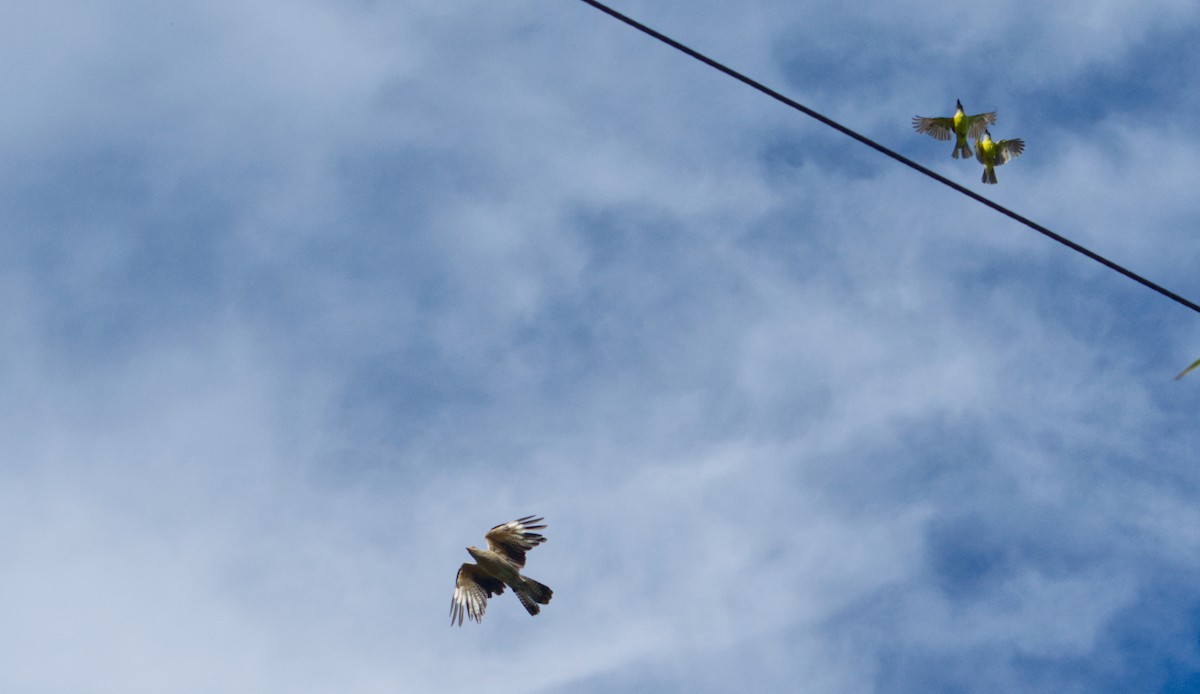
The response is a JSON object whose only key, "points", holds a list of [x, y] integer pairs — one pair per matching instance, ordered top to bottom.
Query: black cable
{"points": [[894, 155]]}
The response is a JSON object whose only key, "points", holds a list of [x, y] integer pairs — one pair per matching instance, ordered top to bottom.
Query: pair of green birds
{"points": [[990, 153]]}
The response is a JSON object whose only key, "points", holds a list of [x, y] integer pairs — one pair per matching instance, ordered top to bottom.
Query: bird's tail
{"points": [[962, 149], [989, 174], [533, 594]]}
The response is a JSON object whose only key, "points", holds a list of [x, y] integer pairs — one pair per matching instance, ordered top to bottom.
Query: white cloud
{"points": [[343, 286]]}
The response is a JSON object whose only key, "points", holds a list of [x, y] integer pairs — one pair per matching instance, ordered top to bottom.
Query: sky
{"points": [[303, 297]]}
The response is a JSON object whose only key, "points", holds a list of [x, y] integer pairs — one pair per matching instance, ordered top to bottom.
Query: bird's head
{"points": [[958, 104], [987, 134], [473, 551]]}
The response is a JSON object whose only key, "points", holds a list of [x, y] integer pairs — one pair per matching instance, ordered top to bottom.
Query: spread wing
{"points": [[979, 123], [937, 128], [1008, 149], [1188, 369], [514, 538], [472, 589]]}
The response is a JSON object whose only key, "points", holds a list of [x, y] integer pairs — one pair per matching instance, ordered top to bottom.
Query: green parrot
{"points": [[960, 125], [993, 154]]}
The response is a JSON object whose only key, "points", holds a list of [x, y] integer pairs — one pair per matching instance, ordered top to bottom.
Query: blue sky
{"points": [[302, 298]]}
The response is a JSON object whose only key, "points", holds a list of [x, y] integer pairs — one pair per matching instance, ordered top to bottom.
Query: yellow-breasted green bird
{"points": [[960, 125], [993, 154]]}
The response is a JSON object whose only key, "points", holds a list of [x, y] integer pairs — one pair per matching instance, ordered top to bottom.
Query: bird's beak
{"points": [[958, 103]]}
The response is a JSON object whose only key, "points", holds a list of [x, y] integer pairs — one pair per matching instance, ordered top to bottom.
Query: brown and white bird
{"points": [[499, 565]]}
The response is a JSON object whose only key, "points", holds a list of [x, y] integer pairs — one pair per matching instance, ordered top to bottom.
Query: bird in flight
{"points": [[960, 125], [993, 154], [499, 565]]}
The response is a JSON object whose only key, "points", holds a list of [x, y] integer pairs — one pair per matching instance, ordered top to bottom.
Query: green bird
{"points": [[960, 125], [993, 154]]}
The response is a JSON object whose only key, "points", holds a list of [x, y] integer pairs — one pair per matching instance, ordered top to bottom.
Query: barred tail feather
{"points": [[541, 593], [532, 594]]}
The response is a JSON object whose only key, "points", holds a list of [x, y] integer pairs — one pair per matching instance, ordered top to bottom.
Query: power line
{"points": [[894, 155]]}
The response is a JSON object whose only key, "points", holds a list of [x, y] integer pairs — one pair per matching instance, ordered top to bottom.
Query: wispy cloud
{"points": [[303, 298]]}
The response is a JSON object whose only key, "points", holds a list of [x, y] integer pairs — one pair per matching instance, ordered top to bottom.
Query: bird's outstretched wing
{"points": [[979, 123], [937, 128], [1008, 149], [1185, 372], [514, 538], [472, 589]]}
